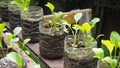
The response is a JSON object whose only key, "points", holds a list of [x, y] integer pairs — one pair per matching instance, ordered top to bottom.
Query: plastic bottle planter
{"points": [[4, 11], [14, 16], [30, 23], [51, 46], [78, 57], [6, 63], [106, 65]]}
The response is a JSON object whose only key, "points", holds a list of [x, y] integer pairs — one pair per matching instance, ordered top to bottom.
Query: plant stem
{"points": [[74, 42], [115, 52]]}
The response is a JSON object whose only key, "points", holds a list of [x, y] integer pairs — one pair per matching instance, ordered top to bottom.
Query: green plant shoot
{"points": [[23, 5], [57, 19], [2, 27], [84, 30], [12, 37], [109, 45], [112, 45], [99, 53], [16, 58], [37, 66]]}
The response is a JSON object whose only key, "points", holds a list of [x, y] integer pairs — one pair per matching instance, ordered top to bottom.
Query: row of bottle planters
{"points": [[51, 46]]}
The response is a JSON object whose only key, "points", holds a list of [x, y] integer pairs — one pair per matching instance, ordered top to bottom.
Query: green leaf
{"points": [[50, 6], [57, 15], [77, 17], [94, 21], [69, 25], [2, 26], [76, 27], [87, 27], [82, 29], [17, 30], [99, 36], [9, 38], [115, 38], [15, 39], [26, 41], [119, 44], [109, 45], [27, 52], [98, 53], [16, 58], [108, 59], [114, 63], [37, 66]]}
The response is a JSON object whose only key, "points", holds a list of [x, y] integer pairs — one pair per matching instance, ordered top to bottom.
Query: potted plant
{"points": [[4, 10], [14, 16], [30, 16], [52, 35], [12, 38], [78, 46], [27, 56], [8, 59], [113, 59]]}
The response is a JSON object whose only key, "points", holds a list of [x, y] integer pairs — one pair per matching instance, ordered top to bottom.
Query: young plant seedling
{"points": [[23, 5], [57, 19], [2, 27], [84, 30], [112, 45], [16, 58]]}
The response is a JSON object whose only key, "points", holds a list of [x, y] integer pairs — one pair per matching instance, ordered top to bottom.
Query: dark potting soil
{"points": [[4, 13], [14, 20], [30, 30], [51, 47], [70, 63]]}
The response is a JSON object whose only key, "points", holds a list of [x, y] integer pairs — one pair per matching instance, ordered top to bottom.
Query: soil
{"points": [[4, 13], [14, 19], [30, 30], [51, 47]]}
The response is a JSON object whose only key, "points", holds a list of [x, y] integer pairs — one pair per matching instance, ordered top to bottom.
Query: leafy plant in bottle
{"points": [[23, 5], [57, 20], [84, 30], [12, 56], [111, 61]]}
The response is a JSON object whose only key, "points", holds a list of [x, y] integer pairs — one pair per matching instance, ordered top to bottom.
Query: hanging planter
{"points": [[4, 11], [14, 16], [30, 23]]}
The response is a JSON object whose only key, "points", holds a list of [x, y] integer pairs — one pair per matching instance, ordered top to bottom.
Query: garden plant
{"points": [[4, 10], [30, 18], [52, 34], [78, 46], [113, 46], [8, 58]]}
